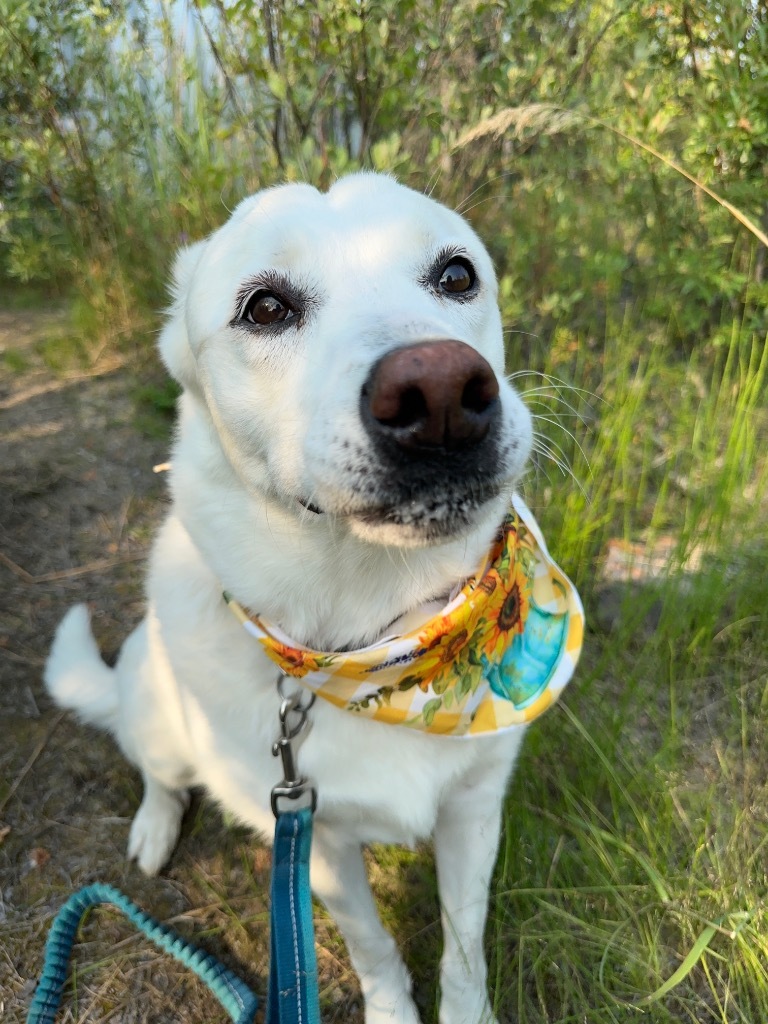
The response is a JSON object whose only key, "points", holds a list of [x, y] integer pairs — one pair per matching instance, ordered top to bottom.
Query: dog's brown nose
{"points": [[437, 394]]}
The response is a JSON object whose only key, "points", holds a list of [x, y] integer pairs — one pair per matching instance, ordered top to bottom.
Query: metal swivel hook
{"points": [[294, 728]]}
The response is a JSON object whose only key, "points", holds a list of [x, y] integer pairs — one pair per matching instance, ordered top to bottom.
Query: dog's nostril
{"points": [[480, 392], [412, 409]]}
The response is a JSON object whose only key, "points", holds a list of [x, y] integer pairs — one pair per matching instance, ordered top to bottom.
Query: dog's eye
{"points": [[457, 276], [265, 308]]}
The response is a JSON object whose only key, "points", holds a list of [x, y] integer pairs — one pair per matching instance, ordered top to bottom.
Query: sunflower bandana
{"points": [[496, 656]]}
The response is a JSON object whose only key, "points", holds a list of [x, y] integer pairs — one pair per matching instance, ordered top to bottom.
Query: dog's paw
{"points": [[155, 829], [387, 996], [402, 1012], [467, 1012], [464, 1016]]}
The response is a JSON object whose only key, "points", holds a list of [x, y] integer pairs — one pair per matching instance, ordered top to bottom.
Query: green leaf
{"points": [[430, 709]]}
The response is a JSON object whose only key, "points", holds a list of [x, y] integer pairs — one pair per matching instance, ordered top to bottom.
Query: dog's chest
{"points": [[383, 783]]}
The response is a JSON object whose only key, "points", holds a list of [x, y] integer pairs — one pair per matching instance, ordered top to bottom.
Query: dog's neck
{"points": [[308, 574]]}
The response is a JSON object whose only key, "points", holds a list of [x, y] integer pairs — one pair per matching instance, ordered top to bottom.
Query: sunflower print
{"points": [[509, 618], [495, 658], [296, 661], [439, 662]]}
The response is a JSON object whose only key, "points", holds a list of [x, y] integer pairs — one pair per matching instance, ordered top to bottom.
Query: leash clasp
{"points": [[294, 727]]}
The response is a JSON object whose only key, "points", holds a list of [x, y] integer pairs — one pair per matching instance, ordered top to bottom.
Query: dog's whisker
{"points": [[432, 182], [486, 184], [480, 202], [223, 203], [515, 330], [555, 382], [546, 389], [552, 392], [540, 399], [540, 403], [542, 408], [556, 423], [545, 438], [542, 448], [551, 451], [552, 458], [540, 466]]}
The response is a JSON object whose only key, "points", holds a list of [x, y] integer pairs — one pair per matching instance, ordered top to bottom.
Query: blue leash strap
{"points": [[233, 994], [292, 994]]}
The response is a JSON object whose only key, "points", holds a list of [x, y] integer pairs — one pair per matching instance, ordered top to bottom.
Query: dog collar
{"points": [[496, 657]]}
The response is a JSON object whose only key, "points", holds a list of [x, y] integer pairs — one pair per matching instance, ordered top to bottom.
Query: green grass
{"points": [[18, 297], [44, 328], [63, 351], [15, 361], [155, 406]]}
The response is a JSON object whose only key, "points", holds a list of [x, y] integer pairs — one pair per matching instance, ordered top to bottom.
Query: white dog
{"points": [[346, 451]]}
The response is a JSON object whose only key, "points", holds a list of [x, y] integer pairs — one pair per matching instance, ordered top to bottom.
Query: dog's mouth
{"points": [[426, 499], [414, 502], [310, 506], [422, 520], [417, 522]]}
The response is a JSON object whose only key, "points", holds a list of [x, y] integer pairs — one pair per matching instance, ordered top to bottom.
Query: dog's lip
{"points": [[310, 506], [422, 512], [415, 513], [395, 515], [425, 529]]}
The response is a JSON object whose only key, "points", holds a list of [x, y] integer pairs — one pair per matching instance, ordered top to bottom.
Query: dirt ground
{"points": [[79, 503]]}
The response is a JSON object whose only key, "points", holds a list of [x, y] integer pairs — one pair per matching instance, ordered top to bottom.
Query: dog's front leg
{"points": [[466, 843], [339, 879]]}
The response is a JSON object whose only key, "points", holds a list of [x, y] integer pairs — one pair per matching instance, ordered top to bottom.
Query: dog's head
{"points": [[348, 349]]}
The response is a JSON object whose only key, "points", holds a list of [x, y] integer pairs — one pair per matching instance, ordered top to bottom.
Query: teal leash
{"points": [[292, 992], [233, 994]]}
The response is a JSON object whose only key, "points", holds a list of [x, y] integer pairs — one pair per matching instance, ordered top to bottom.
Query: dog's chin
{"points": [[418, 525], [399, 535]]}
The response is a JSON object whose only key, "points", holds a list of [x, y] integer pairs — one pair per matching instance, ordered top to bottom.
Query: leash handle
{"points": [[292, 993], [233, 994]]}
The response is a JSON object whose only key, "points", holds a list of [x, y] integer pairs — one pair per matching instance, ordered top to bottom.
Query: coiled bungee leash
{"points": [[292, 991], [233, 994]]}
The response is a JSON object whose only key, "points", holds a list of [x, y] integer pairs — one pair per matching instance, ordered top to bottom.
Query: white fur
{"points": [[268, 418]]}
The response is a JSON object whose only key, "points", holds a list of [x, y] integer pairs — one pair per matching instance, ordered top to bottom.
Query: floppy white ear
{"points": [[174, 343]]}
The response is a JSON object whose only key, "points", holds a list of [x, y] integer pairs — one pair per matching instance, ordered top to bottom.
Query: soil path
{"points": [[79, 502]]}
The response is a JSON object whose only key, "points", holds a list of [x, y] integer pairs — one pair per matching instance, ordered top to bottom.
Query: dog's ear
{"points": [[174, 342]]}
